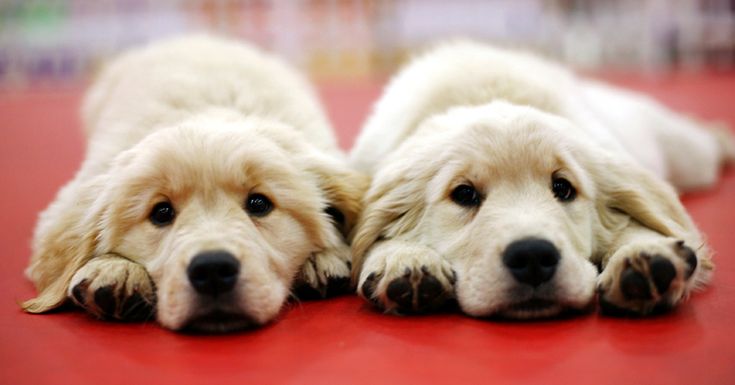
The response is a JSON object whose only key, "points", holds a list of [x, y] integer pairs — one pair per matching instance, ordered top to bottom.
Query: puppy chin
{"points": [[527, 308], [532, 308], [241, 310], [214, 316], [219, 321]]}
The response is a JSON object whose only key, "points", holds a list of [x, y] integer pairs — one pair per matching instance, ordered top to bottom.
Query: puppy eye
{"points": [[563, 190], [465, 195], [258, 205], [163, 214]]}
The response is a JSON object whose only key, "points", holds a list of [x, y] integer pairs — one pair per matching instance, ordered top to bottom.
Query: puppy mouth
{"points": [[531, 308], [219, 321]]}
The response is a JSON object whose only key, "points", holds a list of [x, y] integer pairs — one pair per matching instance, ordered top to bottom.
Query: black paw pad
{"points": [[662, 272], [634, 285], [400, 291], [430, 292], [105, 300], [136, 308]]}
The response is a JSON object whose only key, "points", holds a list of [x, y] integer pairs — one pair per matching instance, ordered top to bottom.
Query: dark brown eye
{"points": [[563, 190], [465, 195], [258, 205], [162, 214]]}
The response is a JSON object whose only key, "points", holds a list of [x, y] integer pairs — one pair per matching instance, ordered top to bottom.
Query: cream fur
{"points": [[201, 122], [507, 123]]}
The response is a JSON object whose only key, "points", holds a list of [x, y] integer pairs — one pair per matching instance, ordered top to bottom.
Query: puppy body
{"points": [[470, 74], [237, 145], [467, 147]]}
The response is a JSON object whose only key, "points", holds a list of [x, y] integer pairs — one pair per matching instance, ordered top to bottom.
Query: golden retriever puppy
{"points": [[502, 180], [212, 185]]}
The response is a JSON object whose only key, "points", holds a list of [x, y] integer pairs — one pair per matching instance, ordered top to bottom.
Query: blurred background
{"points": [[63, 42]]}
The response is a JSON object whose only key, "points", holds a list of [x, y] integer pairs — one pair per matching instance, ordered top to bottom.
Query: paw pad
{"points": [[662, 272], [649, 282], [634, 285], [400, 291], [416, 291], [105, 300], [109, 305]]}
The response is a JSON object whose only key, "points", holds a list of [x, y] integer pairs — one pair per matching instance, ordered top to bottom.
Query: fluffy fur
{"points": [[202, 123], [508, 125]]}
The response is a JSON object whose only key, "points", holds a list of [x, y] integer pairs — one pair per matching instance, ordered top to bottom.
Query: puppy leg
{"points": [[695, 151], [649, 273], [325, 274], [402, 277], [114, 288]]}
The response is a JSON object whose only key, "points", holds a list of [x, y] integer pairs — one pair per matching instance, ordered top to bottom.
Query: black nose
{"points": [[531, 261], [213, 272]]}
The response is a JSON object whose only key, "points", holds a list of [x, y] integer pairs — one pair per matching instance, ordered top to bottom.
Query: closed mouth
{"points": [[531, 308], [219, 322]]}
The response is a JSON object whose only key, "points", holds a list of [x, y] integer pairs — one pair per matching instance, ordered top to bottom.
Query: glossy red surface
{"points": [[343, 340]]}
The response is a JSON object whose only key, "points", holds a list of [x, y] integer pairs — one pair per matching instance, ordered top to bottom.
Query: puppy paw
{"points": [[325, 274], [647, 278], [407, 280], [114, 288]]}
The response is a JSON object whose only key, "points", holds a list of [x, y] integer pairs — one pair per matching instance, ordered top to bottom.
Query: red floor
{"points": [[343, 340]]}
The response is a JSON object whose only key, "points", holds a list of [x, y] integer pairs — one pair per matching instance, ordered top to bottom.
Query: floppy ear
{"points": [[343, 188], [627, 188], [393, 206], [64, 241]]}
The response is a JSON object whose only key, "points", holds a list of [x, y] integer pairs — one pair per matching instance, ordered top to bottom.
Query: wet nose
{"points": [[531, 261], [213, 272]]}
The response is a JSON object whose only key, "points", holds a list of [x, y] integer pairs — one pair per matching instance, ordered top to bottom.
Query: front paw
{"points": [[325, 274], [648, 278], [407, 280], [114, 288]]}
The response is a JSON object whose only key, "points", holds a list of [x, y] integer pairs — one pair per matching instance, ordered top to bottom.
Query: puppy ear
{"points": [[343, 188], [629, 189], [393, 206], [65, 239]]}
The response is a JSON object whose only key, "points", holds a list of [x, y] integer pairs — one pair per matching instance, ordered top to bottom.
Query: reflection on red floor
{"points": [[343, 340]]}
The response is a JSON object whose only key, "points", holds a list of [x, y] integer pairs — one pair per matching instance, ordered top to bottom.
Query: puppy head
{"points": [[513, 199], [222, 214]]}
